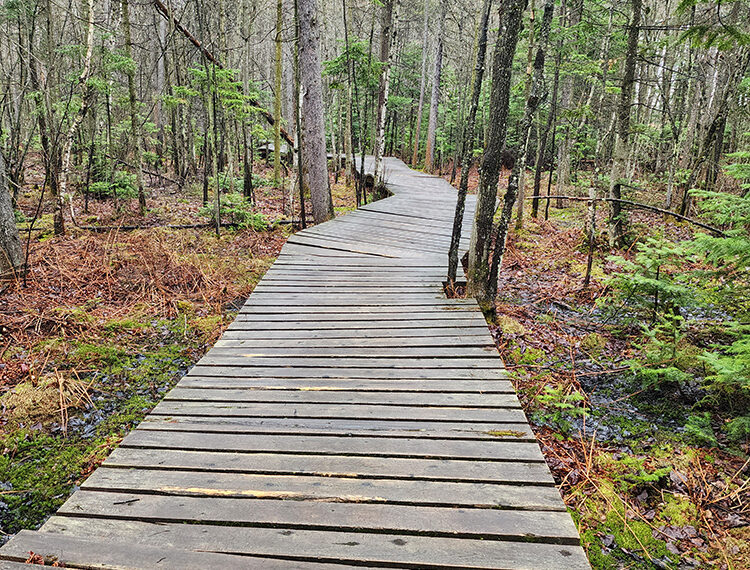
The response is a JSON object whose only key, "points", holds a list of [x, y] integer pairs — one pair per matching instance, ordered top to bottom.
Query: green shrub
{"points": [[227, 183], [122, 186], [237, 210], [654, 283], [661, 360], [730, 365], [560, 405], [698, 429]]}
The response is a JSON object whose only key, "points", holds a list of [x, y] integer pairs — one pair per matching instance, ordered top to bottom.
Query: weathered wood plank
{"points": [[250, 322], [422, 334], [251, 340], [344, 362], [365, 372], [369, 385], [431, 399], [352, 411], [349, 428], [487, 450], [528, 473], [324, 489], [484, 524], [362, 548], [95, 553]]}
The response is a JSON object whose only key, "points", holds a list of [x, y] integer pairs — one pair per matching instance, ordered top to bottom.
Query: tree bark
{"points": [[575, 10], [387, 39], [422, 85], [277, 95], [533, 100], [532, 104], [135, 128], [542, 150], [429, 154], [314, 159], [467, 160], [59, 221], [616, 222], [11, 252], [479, 282]]}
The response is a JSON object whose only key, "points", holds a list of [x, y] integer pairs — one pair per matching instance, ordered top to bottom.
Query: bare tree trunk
{"points": [[575, 9], [387, 38], [83, 78], [422, 84], [352, 93], [277, 96], [435, 100], [533, 100], [532, 104], [135, 128], [542, 150], [314, 159], [466, 161], [301, 182], [616, 224], [11, 252], [479, 281]]}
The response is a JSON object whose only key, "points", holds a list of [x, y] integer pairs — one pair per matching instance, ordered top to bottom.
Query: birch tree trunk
{"points": [[575, 10], [387, 39], [422, 85], [435, 99], [314, 159], [466, 161], [59, 221], [616, 223], [479, 282]]}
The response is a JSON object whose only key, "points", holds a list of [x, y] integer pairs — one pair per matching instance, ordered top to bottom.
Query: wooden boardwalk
{"points": [[350, 416]]}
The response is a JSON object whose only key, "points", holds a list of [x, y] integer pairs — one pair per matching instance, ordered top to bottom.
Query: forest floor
{"points": [[107, 322], [644, 492]]}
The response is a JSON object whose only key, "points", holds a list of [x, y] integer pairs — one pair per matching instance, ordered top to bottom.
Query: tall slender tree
{"points": [[387, 39], [422, 85], [277, 93], [86, 94], [534, 96], [135, 126], [429, 155], [314, 158], [467, 160], [616, 224], [479, 282]]}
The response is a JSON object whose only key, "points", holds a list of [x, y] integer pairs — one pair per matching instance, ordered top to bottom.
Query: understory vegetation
{"points": [[103, 326], [638, 385]]}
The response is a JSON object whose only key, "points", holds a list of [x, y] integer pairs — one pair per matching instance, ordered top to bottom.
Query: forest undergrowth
{"points": [[105, 323], [638, 443]]}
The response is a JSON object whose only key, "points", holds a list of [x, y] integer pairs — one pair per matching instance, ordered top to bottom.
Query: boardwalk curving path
{"points": [[350, 416]]}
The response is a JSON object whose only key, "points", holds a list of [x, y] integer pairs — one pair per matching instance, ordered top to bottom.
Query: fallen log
{"points": [[712, 229]]}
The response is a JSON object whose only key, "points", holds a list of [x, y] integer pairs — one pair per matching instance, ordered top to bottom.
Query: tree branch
{"points": [[164, 11], [712, 229]]}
